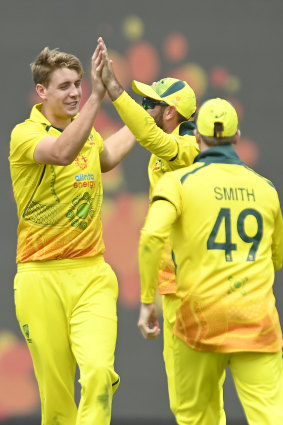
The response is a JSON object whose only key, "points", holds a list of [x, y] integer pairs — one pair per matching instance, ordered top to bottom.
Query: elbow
{"points": [[53, 158], [65, 160], [107, 164], [106, 168]]}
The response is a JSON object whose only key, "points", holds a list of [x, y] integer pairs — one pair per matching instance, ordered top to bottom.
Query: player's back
{"points": [[227, 221], [224, 243]]}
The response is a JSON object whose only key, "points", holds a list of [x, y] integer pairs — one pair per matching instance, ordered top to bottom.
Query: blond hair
{"points": [[48, 61]]}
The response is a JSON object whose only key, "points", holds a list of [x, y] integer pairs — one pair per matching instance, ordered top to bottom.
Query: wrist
{"points": [[114, 89]]}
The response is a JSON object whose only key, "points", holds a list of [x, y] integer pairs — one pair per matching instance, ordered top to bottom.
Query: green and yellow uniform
{"points": [[169, 152], [58, 206], [227, 238], [63, 275]]}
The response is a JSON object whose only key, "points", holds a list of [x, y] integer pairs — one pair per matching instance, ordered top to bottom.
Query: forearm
{"points": [[114, 88], [144, 128], [72, 139], [116, 147], [154, 234], [150, 250]]}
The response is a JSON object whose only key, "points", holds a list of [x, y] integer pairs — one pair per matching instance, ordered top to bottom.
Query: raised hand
{"points": [[97, 64], [107, 73]]}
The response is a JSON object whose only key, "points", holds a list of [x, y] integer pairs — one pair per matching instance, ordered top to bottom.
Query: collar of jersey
{"points": [[37, 116], [185, 127], [222, 154]]}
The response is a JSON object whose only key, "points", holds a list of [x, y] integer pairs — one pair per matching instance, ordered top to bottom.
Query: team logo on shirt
{"points": [[91, 140], [81, 161], [157, 165], [84, 180], [81, 211], [237, 285], [26, 332]]}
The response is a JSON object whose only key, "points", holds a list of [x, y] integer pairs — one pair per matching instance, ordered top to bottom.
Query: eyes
{"points": [[68, 84], [149, 103]]}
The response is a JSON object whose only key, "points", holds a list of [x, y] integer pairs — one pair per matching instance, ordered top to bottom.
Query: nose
{"points": [[75, 91]]}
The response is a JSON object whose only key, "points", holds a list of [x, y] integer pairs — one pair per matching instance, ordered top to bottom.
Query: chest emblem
{"points": [[81, 161], [157, 165], [81, 211]]}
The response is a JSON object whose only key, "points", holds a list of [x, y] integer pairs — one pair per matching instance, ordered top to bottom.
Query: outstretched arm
{"points": [[141, 124], [119, 145], [64, 149], [155, 232]]}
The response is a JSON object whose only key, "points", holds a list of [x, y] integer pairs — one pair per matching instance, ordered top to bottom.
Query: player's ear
{"points": [[41, 91], [170, 111], [197, 136], [237, 137]]}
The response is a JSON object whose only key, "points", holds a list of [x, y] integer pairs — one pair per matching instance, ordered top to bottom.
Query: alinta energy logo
{"points": [[84, 180]]}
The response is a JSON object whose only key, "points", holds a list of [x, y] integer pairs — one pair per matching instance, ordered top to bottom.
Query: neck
{"points": [[58, 122], [169, 126], [203, 146]]}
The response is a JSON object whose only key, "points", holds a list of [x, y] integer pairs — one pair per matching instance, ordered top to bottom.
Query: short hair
{"points": [[48, 61], [217, 140]]}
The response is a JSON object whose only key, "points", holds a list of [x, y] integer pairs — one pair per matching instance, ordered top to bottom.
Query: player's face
{"points": [[64, 92], [157, 114]]}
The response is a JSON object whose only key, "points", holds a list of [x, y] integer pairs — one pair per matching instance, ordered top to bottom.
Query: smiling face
{"points": [[61, 97]]}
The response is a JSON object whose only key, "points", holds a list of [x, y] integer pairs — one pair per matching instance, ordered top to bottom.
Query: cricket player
{"points": [[163, 126], [226, 230], [65, 293]]}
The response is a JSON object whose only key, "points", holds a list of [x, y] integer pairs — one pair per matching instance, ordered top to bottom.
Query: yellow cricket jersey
{"points": [[169, 152], [58, 206], [227, 237]]}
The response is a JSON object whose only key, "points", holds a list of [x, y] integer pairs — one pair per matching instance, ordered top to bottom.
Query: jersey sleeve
{"points": [[144, 128], [24, 139], [188, 149], [169, 187], [154, 234], [277, 241]]}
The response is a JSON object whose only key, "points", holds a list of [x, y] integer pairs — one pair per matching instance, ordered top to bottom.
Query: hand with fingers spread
{"points": [[148, 321]]}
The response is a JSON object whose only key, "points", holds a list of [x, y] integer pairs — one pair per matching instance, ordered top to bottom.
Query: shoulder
{"points": [[27, 127], [260, 178]]}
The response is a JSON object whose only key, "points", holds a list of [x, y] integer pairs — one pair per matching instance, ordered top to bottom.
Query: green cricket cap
{"points": [[174, 92]]}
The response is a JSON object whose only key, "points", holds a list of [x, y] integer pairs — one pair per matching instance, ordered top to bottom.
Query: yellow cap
{"points": [[171, 91], [217, 111]]}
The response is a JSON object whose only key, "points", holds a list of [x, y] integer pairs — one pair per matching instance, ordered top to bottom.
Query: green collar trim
{"points": [[187, 127], [219, 154]]}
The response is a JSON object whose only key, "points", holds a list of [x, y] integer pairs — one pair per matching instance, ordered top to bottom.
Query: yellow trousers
{"points": [[170, 303], [67, 313], [257, 377]]}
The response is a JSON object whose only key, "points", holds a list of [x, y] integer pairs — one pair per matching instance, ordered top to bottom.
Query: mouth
{"points": [[72, 104]]}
